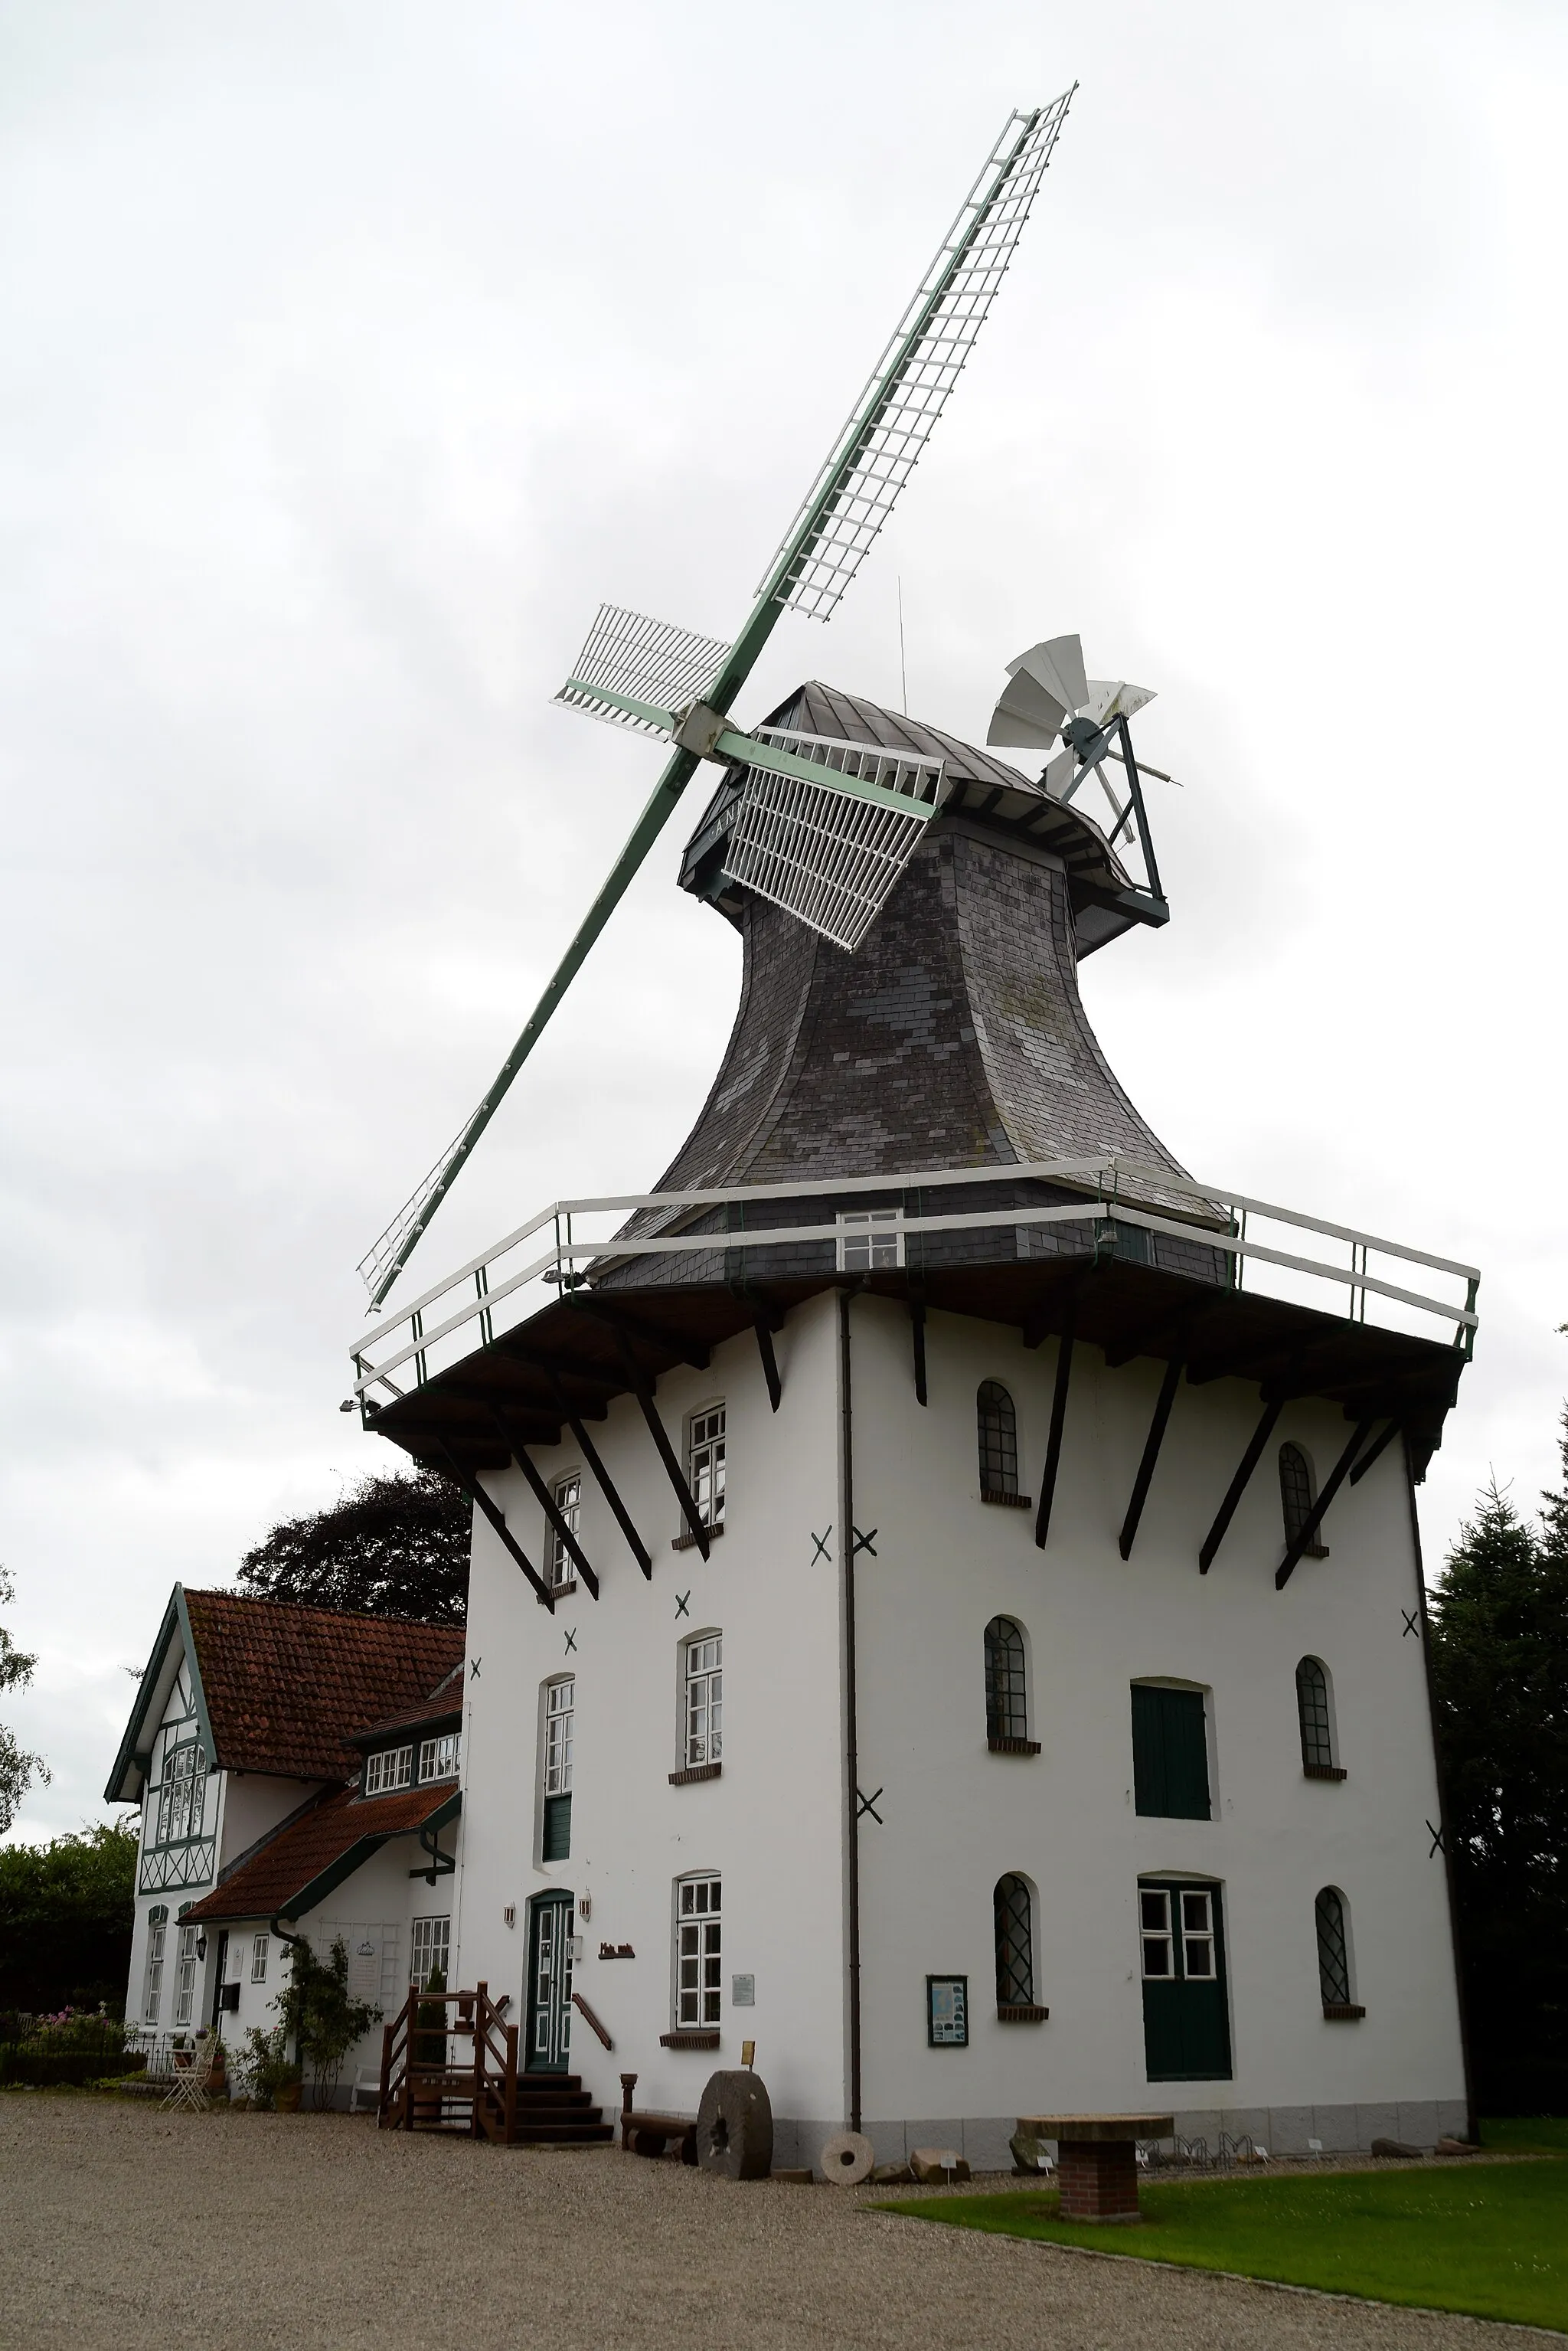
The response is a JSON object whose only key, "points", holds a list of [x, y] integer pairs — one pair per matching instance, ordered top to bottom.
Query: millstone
{"points": [[735, 2126]]}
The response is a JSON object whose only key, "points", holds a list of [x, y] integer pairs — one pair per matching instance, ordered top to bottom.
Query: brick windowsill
{"points": [[1006, 1501], [686, 1540], [560, 1591], [1013, 1746], [695, 1771], [1322, 1771], [1342, 2013], [1018, 2014], [688, 2041]]}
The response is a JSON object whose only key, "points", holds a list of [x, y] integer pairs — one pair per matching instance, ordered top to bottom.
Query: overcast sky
{"points": [[355, 352]]}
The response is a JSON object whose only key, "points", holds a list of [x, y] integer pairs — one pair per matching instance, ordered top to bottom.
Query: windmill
{"points": [[823, 827]]}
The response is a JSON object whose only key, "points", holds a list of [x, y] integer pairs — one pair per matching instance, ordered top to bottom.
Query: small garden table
{"points": [[1097, 2161]]}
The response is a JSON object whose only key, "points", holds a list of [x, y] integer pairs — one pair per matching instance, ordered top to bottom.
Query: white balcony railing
{"points": [[1260, 1242]]}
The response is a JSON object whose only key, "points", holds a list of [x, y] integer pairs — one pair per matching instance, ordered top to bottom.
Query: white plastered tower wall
{"points": [[956, 1817], [771, 1827]]}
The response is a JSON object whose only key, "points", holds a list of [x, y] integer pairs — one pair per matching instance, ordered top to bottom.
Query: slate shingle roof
{"points": [[285, 1686], [265, 1885]]}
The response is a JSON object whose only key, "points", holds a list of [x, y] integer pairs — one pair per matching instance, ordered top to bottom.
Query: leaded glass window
{"points": [[998, 1437], [1297, 1498], [1007, 1697], [1313, 1708], [698, 1935], [1015, 1944], [1333, 1955]]}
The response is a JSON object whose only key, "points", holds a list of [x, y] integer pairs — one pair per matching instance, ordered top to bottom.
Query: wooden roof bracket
{"points": [[642, 1389], [1058, 1419], [1151, 1444], [1370, 1455], [1238, 1486], [547, 1502], [496, 1516], [1307, 1532], [639, 1549]]}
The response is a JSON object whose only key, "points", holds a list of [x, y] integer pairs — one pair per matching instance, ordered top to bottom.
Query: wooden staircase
{"points": [[424, 2086]]}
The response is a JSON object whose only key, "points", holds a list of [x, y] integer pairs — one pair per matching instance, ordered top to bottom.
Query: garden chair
{"points": [[193, 2084]]}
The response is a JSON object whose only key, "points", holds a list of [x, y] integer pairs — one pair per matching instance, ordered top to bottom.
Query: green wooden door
{"points": [[1170, 1752], [549, 1984], [1187, 2022]]}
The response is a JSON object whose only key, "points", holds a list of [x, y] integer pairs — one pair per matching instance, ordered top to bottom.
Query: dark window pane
{"points": [[999, 1440], [1313, 1707], [1007, 1711], [1014, 1944], [1333, 1959]]}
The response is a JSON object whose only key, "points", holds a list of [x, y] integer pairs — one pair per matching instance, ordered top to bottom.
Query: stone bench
{"points": [[1097, 2160]]}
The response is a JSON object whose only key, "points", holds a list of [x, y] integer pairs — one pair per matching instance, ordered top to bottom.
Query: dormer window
{"points": [[870, 1240], [438, 1757], [389, 1767]]}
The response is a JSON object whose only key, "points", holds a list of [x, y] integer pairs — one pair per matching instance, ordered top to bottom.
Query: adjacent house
{"points": [[293, 1766]]}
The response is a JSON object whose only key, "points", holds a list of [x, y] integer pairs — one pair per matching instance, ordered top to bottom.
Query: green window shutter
{"points": [[1170, 1753], [558, 1828]]}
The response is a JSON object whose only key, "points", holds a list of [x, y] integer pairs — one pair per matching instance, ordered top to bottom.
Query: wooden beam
{"points": [[764, 1329], [641, 1387], [1058, 1418], [1151, 1444], [1370, 1455], [606, 1485], [1238, 1486], [477, 1495], [547, 1502], [1307, 1532]]}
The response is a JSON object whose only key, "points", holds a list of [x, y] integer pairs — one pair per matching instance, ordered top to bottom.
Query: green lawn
{"points": [[1528, 2134], [1488, 2239]]}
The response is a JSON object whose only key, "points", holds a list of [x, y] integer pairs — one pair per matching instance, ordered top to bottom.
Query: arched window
{"points": [[999, 1436], [1297, 1498], [1007, 1695], [1313, 1711], [1015, 1944], [1334, 1949]]}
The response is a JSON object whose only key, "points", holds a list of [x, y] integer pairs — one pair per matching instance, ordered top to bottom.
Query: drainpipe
{"points": [[851, 1757], [276, 1927], [1472, 2124]]}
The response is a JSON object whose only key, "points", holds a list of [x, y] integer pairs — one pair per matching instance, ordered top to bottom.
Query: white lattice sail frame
{"points": [[892, 421], [653, 662], [830, 857]]}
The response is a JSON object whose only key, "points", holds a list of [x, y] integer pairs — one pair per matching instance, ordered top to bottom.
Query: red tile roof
{"points": [[285, 1684], [446, 1700], [266, 1882]]}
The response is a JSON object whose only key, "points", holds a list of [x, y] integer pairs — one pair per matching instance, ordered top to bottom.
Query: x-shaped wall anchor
{"points": [[864, 1542], [822, 1543], [682, 1606], [1410, 1624], [571, 1642], [473, 1669], [868, 1804], [1436, 1844]]}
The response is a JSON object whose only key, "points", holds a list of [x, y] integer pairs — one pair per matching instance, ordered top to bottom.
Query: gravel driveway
{"points": [[124, 2227]]}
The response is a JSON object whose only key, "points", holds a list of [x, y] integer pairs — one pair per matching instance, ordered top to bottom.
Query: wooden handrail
{"points": [[578, 2002]]}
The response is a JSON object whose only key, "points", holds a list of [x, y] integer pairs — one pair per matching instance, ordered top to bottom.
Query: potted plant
{"points": [[265, 2072]]}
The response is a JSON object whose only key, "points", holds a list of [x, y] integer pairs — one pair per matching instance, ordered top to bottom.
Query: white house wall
{"points": [[956, 1817], [771, 1827]]}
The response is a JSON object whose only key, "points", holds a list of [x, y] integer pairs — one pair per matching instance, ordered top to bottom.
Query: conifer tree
{"points": [[1499, 1655]]}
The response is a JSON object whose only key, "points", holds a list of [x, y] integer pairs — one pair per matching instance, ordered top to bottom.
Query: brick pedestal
{"points": [[1099, 2179]]}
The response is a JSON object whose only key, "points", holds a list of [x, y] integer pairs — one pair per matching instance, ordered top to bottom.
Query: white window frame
{"points": [[871, 1240], [706, 1445], [566, 1493], [702, 1701], [560, 1734], [438, 1757], [389, 1769], [182, 1794], [1197, 1903], [1155, 1933], [259, 1946], [430, 1946], [699, 1951], [185, 1966], [153, 1974]]}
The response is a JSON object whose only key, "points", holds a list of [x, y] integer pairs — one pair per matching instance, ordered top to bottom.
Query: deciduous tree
{"points": [[392, 1546]]}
